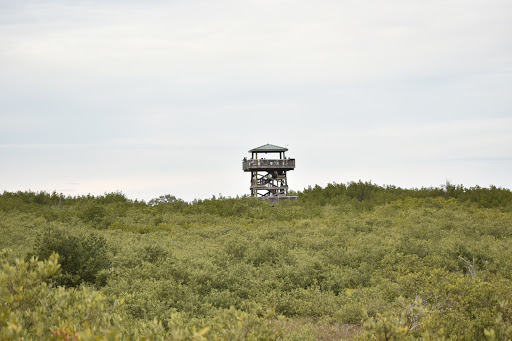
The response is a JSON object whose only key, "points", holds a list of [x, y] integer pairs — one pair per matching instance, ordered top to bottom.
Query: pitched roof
{"points": [[268, 148]]}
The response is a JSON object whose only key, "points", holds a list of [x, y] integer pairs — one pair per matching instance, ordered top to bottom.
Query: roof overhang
{"points": [[268, 148]]}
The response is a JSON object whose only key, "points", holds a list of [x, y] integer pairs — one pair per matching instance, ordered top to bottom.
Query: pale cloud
{"points": [[227, 41], [146, 97]]}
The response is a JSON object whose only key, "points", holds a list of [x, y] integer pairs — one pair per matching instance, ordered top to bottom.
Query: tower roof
{"points": [[268, 148]]}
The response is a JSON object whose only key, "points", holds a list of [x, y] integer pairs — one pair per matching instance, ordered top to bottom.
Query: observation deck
{"points": [[252, 165]]}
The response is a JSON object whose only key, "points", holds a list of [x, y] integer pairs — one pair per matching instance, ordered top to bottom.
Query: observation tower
{"points": [[268, 176]]}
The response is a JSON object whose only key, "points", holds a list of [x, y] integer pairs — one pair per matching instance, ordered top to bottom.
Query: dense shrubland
{"points": [[390, 263]]}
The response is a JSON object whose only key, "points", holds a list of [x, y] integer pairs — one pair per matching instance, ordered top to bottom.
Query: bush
{"points": [[340, 254], [82, 257], [32, 309]]}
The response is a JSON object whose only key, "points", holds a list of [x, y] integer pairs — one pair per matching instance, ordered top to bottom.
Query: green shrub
{"points": [[342, 253], [82, 256], [32, 309]]}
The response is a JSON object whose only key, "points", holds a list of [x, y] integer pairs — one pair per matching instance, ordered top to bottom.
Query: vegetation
{"points": [[348, 261]]}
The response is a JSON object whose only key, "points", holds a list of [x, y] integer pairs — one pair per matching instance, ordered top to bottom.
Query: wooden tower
{"points": [[268, 176]]}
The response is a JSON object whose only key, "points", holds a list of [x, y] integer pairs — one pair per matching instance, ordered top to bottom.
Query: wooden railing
{"points": [[253, 164]]}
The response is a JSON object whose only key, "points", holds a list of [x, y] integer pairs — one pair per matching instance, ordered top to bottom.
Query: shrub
{"points": [[82, 257], [32, 309]]}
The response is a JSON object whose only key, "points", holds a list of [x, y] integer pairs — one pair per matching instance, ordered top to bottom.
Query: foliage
{"points": [[164, 199], [82, 257], [429, 263], [31, 308], [405, 325]]}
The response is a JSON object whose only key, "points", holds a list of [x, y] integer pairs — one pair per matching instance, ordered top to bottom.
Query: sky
{"points": [[166, 97]]}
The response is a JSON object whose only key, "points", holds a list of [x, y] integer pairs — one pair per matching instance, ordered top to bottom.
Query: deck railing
{"points": [[268, 163]]}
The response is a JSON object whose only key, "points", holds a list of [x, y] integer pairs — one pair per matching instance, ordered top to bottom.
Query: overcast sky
{"points": [[157, 97]]}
